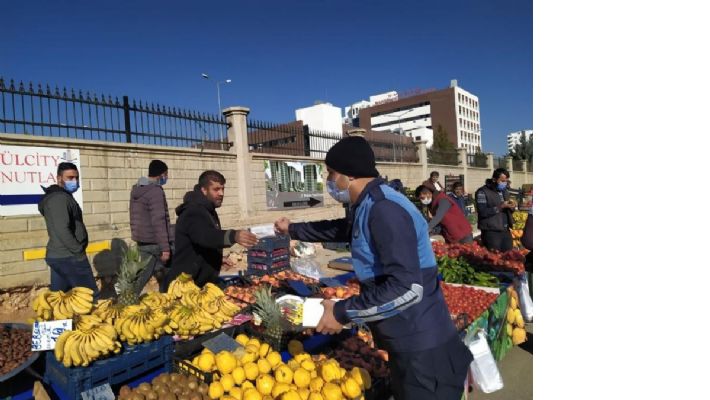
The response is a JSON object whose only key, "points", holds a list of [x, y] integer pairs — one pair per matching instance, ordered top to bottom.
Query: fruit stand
{"points": [[172, 345]]}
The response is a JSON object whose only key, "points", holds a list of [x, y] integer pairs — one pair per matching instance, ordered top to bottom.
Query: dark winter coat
{"points": [[490, 217], [150, 220], [65, 223], [199, 239]]}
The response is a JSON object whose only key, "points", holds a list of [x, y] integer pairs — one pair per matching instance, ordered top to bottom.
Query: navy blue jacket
{"points": [[423, 323]]}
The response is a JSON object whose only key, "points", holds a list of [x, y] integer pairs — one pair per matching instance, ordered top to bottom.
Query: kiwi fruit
{"points": [[192, 384], [144, 387], [203, 388], [125, 391], [151, 395], [137, 396], [167, 396], [195, 396], [183, 397]]}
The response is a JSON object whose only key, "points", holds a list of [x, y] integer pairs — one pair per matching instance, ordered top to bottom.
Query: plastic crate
{"points": [[272, 243], [275, 253], [268, 260], [264, 266], [132, 362], [186, 368]]}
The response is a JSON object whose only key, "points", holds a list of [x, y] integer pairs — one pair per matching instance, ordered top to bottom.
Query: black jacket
{"points": [[490, 217], [65, 223], [199, 239]]}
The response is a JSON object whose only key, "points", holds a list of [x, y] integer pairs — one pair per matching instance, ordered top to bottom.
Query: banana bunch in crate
{"points": [[212, 300], [52, 305], [139, 323], [91, 339]]}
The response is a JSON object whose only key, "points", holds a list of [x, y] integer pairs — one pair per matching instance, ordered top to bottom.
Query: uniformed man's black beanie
{"points": [[352, 156]]}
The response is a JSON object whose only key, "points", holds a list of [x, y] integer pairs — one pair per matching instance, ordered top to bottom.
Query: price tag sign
{"points": [[45, 333], [219, 343], [102, 392]]}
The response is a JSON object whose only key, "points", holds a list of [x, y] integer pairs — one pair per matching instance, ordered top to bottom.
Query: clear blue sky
{"points": [[280, 55]]}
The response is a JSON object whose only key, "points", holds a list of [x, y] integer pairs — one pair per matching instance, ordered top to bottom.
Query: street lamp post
{"points": [[219, 98]]}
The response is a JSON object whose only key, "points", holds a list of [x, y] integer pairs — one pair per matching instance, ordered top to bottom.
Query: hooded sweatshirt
{"points": [[150, 221], [65, 223], [199, 239]]}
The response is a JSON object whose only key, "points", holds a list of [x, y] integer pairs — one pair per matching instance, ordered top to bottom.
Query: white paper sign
{"points": [[24, 170], [262, 231], [312, 312], [45, 334], [102, 392]]}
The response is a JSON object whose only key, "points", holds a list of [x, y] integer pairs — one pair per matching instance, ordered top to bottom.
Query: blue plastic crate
{"points": [[272, 243], [268, 265], [132, 362]]}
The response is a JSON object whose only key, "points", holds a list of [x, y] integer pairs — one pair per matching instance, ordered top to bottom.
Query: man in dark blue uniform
{"points": [[400, 299]]}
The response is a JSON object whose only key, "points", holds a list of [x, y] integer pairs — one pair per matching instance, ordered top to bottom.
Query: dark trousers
{"points": [[466, 239], [497, 240], [153, 266], [71, 272], [436, 374]]}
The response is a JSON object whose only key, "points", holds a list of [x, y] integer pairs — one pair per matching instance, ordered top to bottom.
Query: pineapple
{"points": [[130, 269], [270, 314]]}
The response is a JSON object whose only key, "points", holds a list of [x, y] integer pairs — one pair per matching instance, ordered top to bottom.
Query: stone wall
{"points": [[109, 170]]}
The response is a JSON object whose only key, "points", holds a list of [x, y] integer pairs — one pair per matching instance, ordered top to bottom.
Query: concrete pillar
{"points": [[356, 132], [237, 134], [421, 149], [463, 160], [491, 163], [509, 164], [525, 172]]}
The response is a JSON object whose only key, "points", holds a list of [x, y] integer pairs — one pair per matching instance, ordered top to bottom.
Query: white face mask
{"points": [[340, 195], [426, 201]]}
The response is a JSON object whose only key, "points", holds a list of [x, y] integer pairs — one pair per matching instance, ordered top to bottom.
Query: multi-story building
{"points": [[419, 115], [322, 117], [514, 138], [310, 173]]}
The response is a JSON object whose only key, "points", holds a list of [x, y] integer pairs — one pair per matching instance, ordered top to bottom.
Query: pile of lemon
{"points": [[257, 372]]}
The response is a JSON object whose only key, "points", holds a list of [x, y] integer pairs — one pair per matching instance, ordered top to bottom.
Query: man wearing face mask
{"points": [[495, 212], [150, 224], [199, 237], [66, 248], [400, 299]]}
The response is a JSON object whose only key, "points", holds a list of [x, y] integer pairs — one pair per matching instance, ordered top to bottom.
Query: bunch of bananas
{"points": [[519, 218], [181, 285], [157, 300], [212, 300], [49, 305], [108, 310], [189, 320], [139, 323], [91, 339]]}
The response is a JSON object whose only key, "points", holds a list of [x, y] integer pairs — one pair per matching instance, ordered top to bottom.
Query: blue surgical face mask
{"points": [[162, 180], [71, 186], [502, 186], [340, 195]]}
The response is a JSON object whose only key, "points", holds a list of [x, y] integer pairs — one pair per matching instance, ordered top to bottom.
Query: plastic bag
{"points": [[303, 249], [307, 266], [526, 303], [484, 369]]}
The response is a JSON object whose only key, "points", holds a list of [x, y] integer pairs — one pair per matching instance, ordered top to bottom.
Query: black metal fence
{"points": [[42, 111], [296, 139], [443, 157], [478, 160], [499, 162], [518, 165]]}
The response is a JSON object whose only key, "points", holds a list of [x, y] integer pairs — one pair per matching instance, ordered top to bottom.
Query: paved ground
{"points": [[517, 371]]}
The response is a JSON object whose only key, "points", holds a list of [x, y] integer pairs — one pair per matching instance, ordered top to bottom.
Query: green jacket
{"points": [[65, 224]]}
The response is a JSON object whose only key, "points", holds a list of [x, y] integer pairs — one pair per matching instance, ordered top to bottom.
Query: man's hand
{"points": [[281, 225], [246, 238], [164, 256], [328, 325]]}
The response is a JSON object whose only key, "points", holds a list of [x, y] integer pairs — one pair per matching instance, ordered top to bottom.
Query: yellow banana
{"points": [[53, 298], [59, 345], [81, 347], [92, 348], [71, 351]]}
